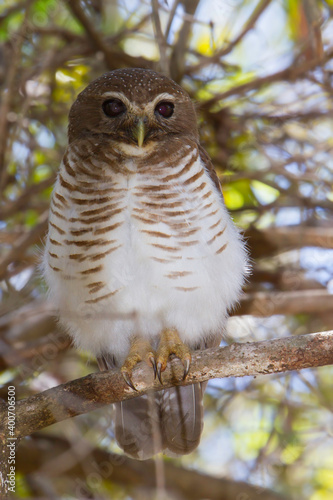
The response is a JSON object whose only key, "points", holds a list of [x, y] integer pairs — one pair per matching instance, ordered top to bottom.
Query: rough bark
{"points": [[238, 360]]}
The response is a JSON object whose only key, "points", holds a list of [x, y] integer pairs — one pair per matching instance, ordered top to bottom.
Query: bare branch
{"points": [[171, 17], [160, 39], [177, 60], [268, 241], [292, 302], [100, 389]]}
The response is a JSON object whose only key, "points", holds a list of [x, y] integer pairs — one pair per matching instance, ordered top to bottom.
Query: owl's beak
{"points": [[139, 131]]}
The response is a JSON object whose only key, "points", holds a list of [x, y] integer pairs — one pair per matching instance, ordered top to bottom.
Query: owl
{"points": [[142, 259]]}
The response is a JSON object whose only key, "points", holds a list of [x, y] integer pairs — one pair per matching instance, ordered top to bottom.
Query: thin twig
{"points": [[171, 18], [249, 25], [164, 65]]}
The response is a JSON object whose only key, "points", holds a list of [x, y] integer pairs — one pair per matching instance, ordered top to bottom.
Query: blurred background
{"points": [[261, 74]]}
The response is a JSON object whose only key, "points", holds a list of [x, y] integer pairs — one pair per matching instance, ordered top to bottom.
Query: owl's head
{"points": [[132, 106]]}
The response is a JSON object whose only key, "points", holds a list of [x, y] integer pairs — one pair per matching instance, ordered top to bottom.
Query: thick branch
{"points": [[99, 389]]}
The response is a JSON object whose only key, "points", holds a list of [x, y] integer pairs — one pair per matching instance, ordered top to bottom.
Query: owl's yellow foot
{"points": [[170, 343], [140, 350]]}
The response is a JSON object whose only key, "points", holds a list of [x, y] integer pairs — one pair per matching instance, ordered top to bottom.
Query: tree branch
{"points": [[248, 26], [160, 39], [178, 55], [113, 58], [291, 73], [266, 242], [262, 304], [100, 389]]}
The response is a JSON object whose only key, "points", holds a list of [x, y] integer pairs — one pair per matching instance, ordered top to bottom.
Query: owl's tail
{"points": [[170, 421]]}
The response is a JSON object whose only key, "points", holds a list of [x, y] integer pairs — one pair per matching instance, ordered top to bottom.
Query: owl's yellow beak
{"points": [[139, 131]]}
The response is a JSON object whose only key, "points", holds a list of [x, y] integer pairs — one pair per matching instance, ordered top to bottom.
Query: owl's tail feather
{"points": [[181, 419], [170, 421], [137, 426]]}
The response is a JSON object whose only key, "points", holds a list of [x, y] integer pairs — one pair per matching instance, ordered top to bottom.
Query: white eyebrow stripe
{"points": [[111, 93], [117, 95], [161, 97], [150, 106]]}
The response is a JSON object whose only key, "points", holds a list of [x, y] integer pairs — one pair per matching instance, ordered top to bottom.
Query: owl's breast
{"points": [[175, 241], [156, 243]]}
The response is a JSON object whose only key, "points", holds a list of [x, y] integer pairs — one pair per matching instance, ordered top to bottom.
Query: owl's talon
{"points": [[171, 343], [140, 350], [153, 362], [187, 363], [159, 372], [128, 380]]}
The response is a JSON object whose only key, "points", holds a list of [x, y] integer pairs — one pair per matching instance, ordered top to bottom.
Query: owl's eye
{"points": [[113, 107], [165, 109]]}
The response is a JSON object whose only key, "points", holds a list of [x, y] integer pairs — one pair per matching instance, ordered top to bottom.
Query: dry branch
{"points": [[160, 39], [178, 56], [268, 241], [293, 302], [238, 360]]}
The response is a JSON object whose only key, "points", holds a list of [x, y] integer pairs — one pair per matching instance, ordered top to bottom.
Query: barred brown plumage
{"points": [[142, 259]]}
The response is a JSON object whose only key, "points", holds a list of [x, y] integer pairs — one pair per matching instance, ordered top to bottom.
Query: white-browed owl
{"points": [[142, 259]]}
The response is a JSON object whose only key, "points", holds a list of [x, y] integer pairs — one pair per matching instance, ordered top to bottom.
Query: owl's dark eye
{"points": [[113, 107], [165, 109]]}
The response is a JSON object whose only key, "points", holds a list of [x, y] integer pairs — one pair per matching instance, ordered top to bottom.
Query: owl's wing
{"points": [[209, 167], [214, 340], [181, 418]]}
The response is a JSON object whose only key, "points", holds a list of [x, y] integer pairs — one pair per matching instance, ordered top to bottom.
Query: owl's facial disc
{"points": [[136, 108], [138, 122]]}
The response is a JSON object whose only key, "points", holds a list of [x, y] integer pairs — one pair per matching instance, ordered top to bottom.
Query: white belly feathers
{"points": [[140, 252]]}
